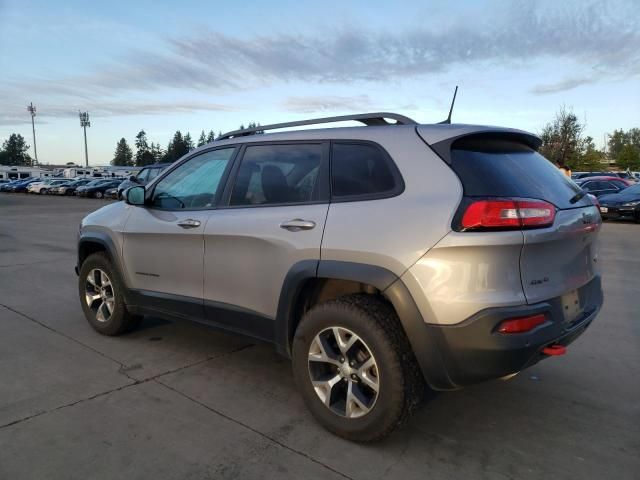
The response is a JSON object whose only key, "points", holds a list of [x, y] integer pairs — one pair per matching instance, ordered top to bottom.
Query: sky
{"points": [[202, 65]]}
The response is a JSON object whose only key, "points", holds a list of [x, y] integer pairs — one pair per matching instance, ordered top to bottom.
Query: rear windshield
{"points": [[504, 168]]}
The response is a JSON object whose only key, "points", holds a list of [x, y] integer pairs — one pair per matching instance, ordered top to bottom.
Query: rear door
{"points": [[275, 209], [554, 260]]}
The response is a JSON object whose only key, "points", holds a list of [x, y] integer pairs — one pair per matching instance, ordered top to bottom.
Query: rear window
{"points": [[504, 168]]}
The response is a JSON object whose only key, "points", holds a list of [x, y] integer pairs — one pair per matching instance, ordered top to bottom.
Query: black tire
{"points": [[98, 194], [120, 321], [401, 385]]}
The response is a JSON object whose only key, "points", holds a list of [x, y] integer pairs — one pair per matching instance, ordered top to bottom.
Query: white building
{"points": [[11, 172]]}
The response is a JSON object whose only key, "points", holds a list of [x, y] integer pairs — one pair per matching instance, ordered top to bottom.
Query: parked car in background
{"points": [[143, 177], [4, 181], [602, 185], [6, 187], [21, 187], [43, 187], [69, 188], [97, 190], [111, 193], [623, 204]]}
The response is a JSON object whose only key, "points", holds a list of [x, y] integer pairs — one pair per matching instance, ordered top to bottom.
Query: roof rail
{"points": [[369, 119]]}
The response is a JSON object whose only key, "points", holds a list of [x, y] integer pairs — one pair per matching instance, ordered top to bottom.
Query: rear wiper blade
{"points": [[577, 196]]}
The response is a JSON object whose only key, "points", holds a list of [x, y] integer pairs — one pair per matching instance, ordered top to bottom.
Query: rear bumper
{"points": [[474, 351]]}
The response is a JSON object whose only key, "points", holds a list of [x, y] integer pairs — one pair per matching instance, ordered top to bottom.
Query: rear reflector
{"points": [[508, 213], [522, 324]]}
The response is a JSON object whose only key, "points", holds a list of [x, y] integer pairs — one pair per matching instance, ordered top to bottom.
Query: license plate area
{"points": [[572, 310]]}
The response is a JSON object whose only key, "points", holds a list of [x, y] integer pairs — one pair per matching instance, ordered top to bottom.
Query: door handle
{"points": [[189, 223], [298, 224]]}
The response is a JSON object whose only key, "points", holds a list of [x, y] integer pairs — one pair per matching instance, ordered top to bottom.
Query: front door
{"points": [[276, 207], [163, 241]]}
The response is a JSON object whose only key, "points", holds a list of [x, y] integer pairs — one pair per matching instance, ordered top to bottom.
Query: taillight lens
{"points": [[507, 214], [522, 324]]}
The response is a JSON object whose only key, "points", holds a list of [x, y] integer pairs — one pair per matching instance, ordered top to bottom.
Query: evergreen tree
{"points": [[211, 136], [202, 140], [188, 142], [176, 148], [14, 151], [143, 151], [156, 152], [123, 155]]}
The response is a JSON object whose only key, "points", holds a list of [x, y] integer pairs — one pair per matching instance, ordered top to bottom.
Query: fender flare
{"points": [[109, 245], [421, 339]]}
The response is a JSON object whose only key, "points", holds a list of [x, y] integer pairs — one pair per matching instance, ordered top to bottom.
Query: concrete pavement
{"points": [[180, 400]]}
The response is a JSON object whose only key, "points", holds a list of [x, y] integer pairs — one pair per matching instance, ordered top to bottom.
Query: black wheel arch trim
{"points": [[107, 243], [392, 287]]}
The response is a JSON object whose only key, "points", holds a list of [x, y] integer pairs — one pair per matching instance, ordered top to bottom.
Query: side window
{"points": [[360, 170], [153, 173], [277, 174], [143, 175], [194, 184]]}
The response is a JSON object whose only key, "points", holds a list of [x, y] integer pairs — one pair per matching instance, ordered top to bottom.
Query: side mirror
{"points": [[133, 178], [135, 195]]}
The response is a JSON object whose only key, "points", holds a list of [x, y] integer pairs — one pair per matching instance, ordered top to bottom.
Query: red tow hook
{"points": [[554, 350]]}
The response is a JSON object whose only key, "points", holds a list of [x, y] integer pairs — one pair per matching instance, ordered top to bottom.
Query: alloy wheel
{"points": [[99, 294], [343, 372]]}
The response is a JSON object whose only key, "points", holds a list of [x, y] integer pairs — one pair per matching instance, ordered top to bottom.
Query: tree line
{"points": [[564, 144], [147, 153]]}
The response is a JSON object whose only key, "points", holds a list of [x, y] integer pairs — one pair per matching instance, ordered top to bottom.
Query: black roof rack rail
{"points": [[369, 119]]}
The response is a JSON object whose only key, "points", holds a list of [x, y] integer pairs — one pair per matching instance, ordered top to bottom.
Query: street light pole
{"points": [[32, 110], [84, 123]]}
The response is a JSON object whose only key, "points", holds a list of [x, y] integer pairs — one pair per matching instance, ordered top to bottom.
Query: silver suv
{"points": [[381, 259]]}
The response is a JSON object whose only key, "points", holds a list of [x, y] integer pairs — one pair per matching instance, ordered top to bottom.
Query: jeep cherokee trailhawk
{"points": [[380, 258]]}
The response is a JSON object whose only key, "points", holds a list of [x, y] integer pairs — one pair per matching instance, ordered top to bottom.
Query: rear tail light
{"points": [[594, 200], [508, 214], [522, 324]]}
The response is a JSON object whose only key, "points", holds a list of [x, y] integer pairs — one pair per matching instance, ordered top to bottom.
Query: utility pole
{"points": [[32, 110], [84, 123]]}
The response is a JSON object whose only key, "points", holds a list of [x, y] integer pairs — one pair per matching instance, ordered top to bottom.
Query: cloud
{"points": [[593, 35], [599, 38], [562, 85], [309, 104], [18, 115]]}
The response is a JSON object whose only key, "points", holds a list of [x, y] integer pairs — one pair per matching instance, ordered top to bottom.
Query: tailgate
{"points": [[562, 258]]}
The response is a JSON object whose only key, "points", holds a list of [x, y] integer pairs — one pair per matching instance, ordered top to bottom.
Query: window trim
{"points": [[322, 181], [398, 187], [151, 188]]}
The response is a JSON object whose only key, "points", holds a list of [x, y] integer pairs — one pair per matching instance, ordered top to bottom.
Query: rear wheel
{"points": [[102, 296], [355, 368]]}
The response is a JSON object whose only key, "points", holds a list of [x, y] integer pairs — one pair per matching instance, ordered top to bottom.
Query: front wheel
{"points": [[98, 195], [102, 296], [355, 368]]}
